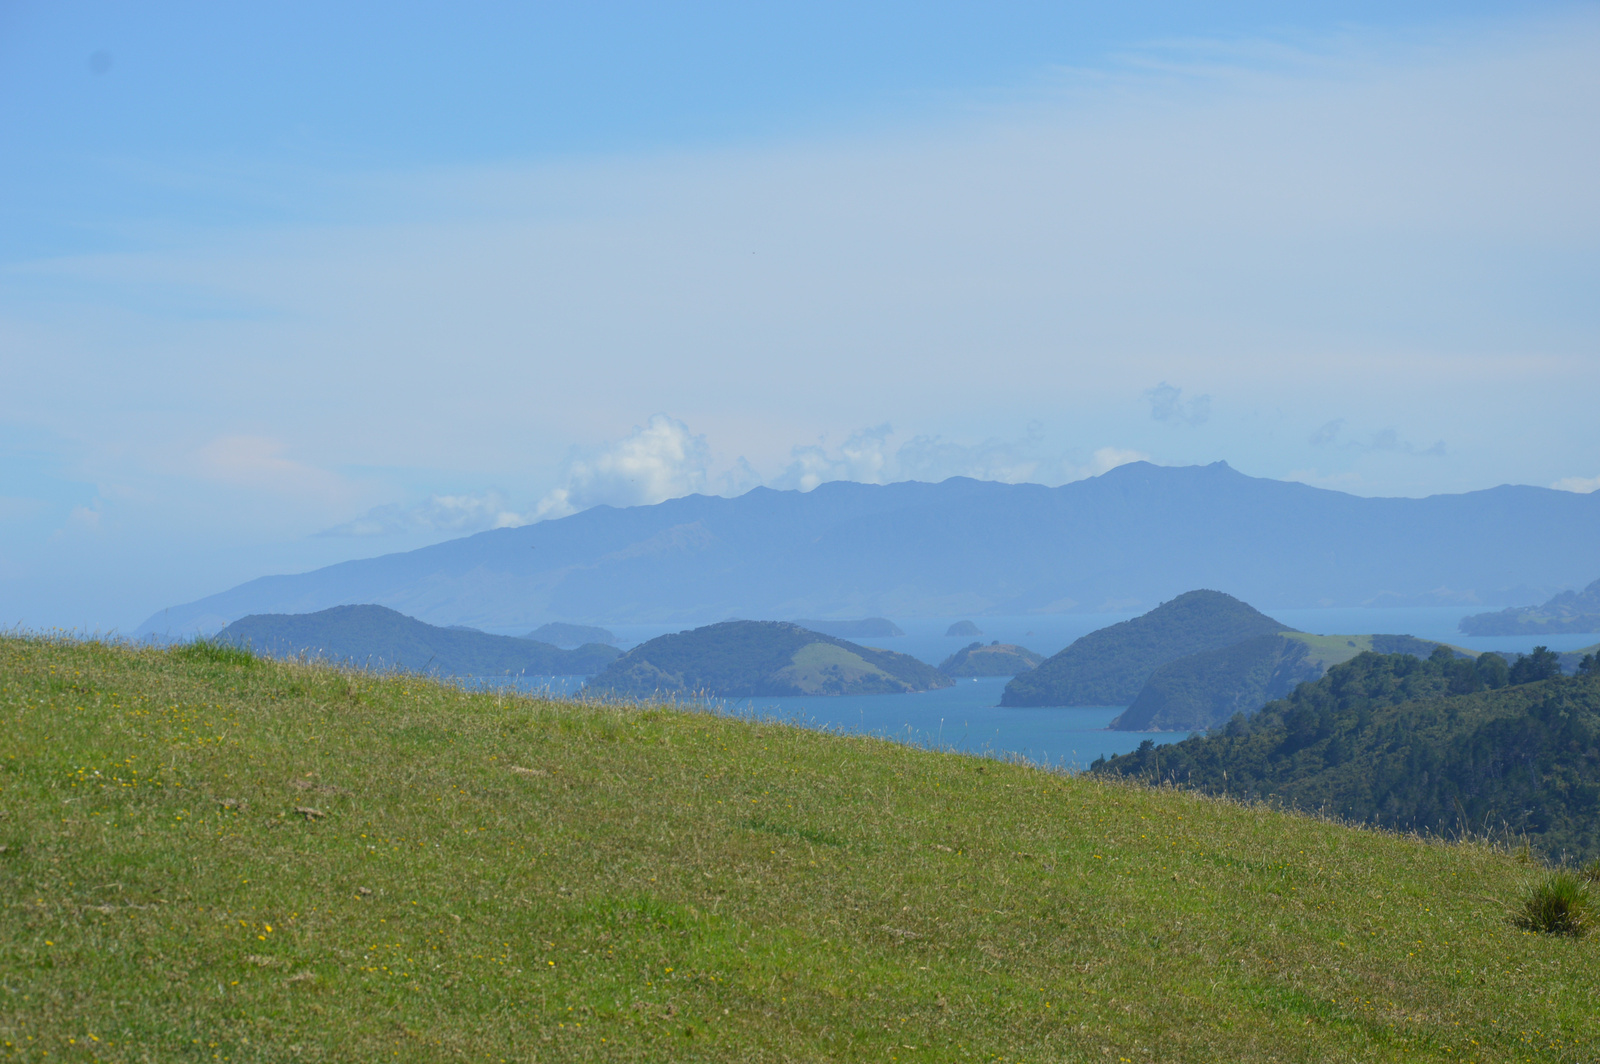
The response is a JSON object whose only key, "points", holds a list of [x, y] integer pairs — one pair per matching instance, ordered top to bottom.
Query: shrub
{"points": [[215, 652], [1558, 905]]}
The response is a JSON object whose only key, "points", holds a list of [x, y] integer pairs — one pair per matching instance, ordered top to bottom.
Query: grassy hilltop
{"points": [[212, 857]]}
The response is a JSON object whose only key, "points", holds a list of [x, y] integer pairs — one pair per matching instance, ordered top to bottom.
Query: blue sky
{"points": [[300, 283]]}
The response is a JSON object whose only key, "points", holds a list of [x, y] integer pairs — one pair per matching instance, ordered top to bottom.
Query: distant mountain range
{"points": [[1131, 538], [1570, 611]]}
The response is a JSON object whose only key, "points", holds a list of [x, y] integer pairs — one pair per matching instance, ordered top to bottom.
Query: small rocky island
{"points": [[996, 659]]}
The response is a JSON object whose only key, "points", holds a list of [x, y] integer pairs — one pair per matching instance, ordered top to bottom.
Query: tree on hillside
{"points": [[1542, 664]]}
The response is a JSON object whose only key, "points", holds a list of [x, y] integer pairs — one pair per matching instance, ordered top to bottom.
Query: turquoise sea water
{"points": [[968, 716], [965, 717]]}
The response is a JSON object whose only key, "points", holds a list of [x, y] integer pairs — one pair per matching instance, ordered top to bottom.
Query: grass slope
{"points": [[497, 879]]}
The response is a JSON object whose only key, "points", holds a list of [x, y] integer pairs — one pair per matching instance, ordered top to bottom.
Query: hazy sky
{"points": [[308, 282]]}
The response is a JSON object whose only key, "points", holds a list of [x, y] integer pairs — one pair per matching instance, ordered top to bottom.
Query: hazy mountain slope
{"points": [[1134, 536], [1570, 611], [865, 628], [377, 636], [567, 636], [740, 659], [1110, 666]]}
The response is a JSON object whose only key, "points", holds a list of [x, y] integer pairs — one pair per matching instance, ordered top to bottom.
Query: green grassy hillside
{"points": [[208, 857]]}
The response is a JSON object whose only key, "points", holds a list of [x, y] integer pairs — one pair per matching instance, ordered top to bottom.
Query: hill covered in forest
{"points": [[1570, 611], [383, 638], [742, 659], [992, 659], [1110, 666], [1203, 690], [1443, 745]]}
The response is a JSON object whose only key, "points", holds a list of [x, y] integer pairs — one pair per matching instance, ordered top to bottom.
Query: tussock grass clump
{"points": [[214, 652], [211, 857], [1591, 871], [1559, 904]]}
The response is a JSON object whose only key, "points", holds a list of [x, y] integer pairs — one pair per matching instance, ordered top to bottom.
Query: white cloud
{"points": [[1335, 228], [1167, 404], [1331, 434], [864, 456], [869, 456], [1109, 458], [664, 459], [659, 461], [1581, 485], [458, 514], [85, 517]]}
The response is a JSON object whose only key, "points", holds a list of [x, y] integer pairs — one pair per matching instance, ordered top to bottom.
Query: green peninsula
{"points": [[1570, 611], [384, 638], [743, 659]]}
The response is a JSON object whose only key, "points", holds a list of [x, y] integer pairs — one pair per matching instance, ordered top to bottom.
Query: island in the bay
{"points": [[567, 636], [744, 659], [993, 659], [1192, 663], [1110, 666]]}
